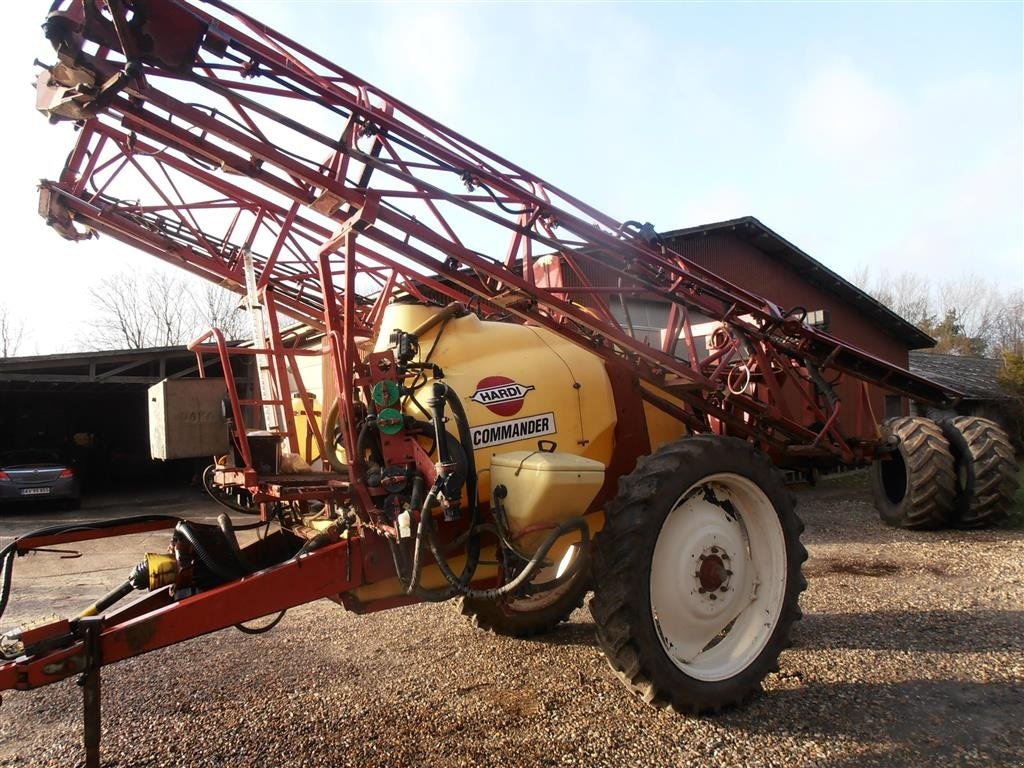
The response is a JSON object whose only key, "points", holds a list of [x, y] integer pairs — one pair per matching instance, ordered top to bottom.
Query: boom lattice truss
{"points": [[207, 139]]}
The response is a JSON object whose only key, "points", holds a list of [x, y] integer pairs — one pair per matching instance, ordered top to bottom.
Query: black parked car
{"points": [[37, 474]]}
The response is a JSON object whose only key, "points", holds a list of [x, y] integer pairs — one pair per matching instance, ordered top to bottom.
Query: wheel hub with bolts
{"points": [[713, 573]]}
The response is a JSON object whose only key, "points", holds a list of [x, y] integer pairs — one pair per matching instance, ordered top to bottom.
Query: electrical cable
{"points": [[260, 630]]}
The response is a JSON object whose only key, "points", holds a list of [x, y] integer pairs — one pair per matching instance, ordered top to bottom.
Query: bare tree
{"points": [[906, 294], [977, 305], [219, 308], [153, 309], [171, 309], [965, 315], [121, 320], [1008, 333], [11, 334]]}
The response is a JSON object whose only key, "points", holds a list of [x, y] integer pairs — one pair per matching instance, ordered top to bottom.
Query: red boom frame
{"points": [[340, 220]]}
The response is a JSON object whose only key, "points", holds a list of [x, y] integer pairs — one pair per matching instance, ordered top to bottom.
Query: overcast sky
{"points": [[884, 135]]}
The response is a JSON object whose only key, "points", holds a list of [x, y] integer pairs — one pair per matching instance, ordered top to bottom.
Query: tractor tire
{"points": [[986, 471], [915, 488], [697, 574], [529, 616]]}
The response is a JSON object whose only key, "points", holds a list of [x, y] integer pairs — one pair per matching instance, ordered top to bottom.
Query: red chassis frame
{"points": [[156, 620]]}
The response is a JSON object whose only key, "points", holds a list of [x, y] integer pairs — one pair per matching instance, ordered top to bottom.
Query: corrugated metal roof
{"points": [[773, 244], [975, 377]]}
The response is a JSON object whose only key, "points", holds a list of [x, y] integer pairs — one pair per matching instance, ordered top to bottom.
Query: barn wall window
{"points": [[819, 318]]}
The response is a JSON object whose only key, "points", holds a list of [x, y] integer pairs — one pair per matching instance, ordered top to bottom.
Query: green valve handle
{"points": [[385, 393], [390, 421]]}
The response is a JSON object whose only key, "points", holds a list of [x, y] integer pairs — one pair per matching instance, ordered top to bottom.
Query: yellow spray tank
{"points": [[519, 384], [522, 387]]}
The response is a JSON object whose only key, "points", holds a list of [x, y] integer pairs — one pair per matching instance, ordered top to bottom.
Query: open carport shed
{"points": [[93, 407]]}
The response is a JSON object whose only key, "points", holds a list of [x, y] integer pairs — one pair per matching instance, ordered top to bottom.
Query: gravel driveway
{"points": [[911, 653]]}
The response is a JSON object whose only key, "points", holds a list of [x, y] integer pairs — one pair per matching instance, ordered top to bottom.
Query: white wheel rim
{"points": [[718, 582]]}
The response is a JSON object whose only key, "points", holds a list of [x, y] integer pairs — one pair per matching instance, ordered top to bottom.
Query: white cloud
{"points": [[427, 56], [842, 111], [935, 177], [717, 203], [977, 220]]}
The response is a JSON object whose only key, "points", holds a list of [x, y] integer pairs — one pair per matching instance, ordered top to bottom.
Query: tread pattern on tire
{"points": [[984, 455], [931, 476], [621, 603]]}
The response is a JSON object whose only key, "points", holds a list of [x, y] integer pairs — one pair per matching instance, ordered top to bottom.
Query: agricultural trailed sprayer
{"points": [[490, 426]]}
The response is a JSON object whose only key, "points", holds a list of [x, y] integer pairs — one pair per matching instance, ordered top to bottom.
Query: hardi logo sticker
{"points": [[501, 395], [513, 430]]}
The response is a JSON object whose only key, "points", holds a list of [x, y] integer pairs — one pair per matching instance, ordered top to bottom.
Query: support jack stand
{"points": [[90, 681]]}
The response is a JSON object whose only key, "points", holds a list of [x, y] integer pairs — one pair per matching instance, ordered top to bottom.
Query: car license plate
{"points": [[34, 491]]}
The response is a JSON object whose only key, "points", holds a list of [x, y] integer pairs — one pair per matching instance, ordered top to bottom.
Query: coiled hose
{"points": [[236, 569], [460, 584]]}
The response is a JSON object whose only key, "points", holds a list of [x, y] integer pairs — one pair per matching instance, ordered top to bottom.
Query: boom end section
{"points": [[58, 216]]}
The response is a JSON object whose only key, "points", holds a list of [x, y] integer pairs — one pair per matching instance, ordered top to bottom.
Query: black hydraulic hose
{"points": [[467, 178], [822, 385], [442, 390], [442, 394], [445, 394], [466, 438], [362, 444], [472, 483], [94, 525], [249, 526], [228, 529], [424, 531], [186, 532], [501, 536], [398, 549], [8, 553], [398, 553], [399, 560], [582, 561], [7, 570], [527, 573], [427, 595], [261, 630]]}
